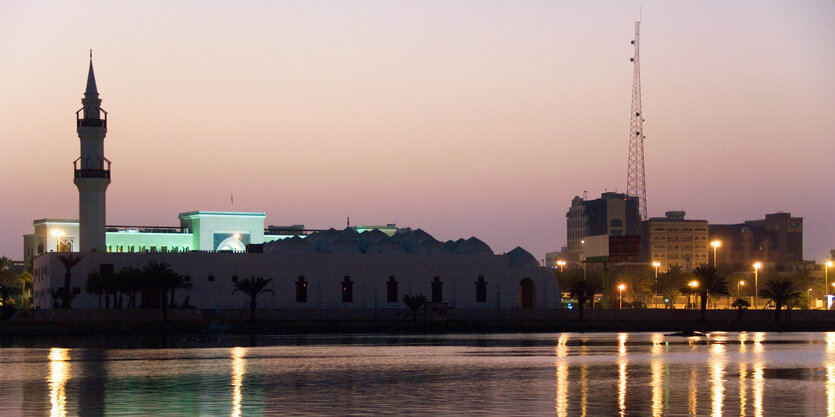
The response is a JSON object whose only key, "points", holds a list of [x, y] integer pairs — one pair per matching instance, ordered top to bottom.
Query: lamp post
{"points": [[716, 244], [583, 248], [561, 264], [656, 264], [757, 267], [826, 267], [693, 285], [621, 287], [737, 288]]}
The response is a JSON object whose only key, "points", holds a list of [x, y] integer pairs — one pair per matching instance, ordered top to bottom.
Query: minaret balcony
{"points": [[91, 122], [100, 168]]}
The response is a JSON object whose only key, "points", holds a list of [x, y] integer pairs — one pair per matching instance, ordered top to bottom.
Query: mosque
{"points": [[319, 273]]}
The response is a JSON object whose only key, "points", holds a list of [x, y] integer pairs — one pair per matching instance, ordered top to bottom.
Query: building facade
{"points": [[613, 214], [674, 241], [776, 241]]}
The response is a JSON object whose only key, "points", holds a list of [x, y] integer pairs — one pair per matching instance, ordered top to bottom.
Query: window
{"points": [[211, 277], [301, 290], [347, 290], [391, 290], [437, 290], [480, 290]]}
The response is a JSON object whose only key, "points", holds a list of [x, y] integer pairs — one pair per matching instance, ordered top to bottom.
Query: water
{"points": [[641, 374]]}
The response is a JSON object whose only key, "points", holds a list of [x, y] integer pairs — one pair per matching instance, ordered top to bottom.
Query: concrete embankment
{"points": [[298, 321]]}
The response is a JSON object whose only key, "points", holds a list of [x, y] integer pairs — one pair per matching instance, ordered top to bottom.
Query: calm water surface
{"points": [[565, 374]]}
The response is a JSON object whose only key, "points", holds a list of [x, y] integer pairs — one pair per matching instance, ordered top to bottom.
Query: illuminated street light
{"points": [[715, 244], [583, 247], [561, 264], [656, 264], [757, 267], [742, 283], [693, 285], [621, 287]]}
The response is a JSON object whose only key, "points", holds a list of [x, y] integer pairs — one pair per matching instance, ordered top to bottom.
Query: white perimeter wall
{"points": [[324, 274]]}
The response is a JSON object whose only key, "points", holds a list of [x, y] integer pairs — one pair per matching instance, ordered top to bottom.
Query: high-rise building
{"points": [[613, 214], [776, 240], [674, 241]]}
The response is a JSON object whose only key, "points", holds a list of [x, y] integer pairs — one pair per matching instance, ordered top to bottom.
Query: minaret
{"points": [[92, 169]]}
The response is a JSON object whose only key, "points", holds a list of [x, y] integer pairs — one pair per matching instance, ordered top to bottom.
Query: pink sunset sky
{"points": [[462, 118]]}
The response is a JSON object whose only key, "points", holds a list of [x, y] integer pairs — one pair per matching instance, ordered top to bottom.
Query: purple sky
{"points": [[470, 118]]}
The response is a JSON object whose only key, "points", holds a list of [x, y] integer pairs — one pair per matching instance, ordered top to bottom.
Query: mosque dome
{"points": [[342, 245], [385, 245], [473, 246], [521, 258]]}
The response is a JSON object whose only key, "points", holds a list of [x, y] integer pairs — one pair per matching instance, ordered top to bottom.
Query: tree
{"points": [[69, 261], [160, 278], [26, 279], [129, 281], [670, 283], [709, 283], [95, 285], [252, 287], [584, 291], [782, 293], [414, 303]]}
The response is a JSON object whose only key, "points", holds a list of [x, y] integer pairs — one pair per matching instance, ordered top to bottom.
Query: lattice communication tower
{"points": [[635, 177]]}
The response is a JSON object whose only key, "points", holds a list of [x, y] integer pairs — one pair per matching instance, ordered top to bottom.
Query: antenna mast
{"points": [[635, 177]]}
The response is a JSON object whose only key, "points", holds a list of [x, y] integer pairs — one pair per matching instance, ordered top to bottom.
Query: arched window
{"points": [[301, 290], [347, 290], [391, 290], [437, 290], [480, 290]]}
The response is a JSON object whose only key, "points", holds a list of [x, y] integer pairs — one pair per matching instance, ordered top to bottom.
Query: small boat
{"points": [[686, 333]]}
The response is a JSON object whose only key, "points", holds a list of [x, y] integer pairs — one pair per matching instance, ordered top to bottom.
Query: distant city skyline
{"points": [[467, 119]]}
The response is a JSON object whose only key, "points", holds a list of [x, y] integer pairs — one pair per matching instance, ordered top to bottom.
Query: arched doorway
{"points": [[526, 293]]}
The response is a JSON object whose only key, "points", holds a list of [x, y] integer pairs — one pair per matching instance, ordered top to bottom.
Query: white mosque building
{"points": [[317, 273]]}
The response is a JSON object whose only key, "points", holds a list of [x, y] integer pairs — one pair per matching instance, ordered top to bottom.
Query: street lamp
{"points": [[715, 244], [583, 247], [561, 264], [656, 264], [757, 267], [826, 267], [693, 285], [621, 287], [737, 288]]}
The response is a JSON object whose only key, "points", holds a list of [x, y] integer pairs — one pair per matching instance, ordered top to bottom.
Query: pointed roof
{"points": [[91, 90]]}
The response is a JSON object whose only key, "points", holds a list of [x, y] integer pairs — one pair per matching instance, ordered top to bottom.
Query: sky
{"points": [[465, 118]]}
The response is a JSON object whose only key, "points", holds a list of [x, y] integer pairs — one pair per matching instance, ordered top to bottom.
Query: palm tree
{"points": [[69, 261], [161, 279], [129, 281], [670, 282], [709, 283], [95, 285], [252, 287], [584, 291], [781, 292], [414, 303]]}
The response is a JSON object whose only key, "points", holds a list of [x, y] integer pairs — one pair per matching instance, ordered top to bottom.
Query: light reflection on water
{"points": [[539, 374]]}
